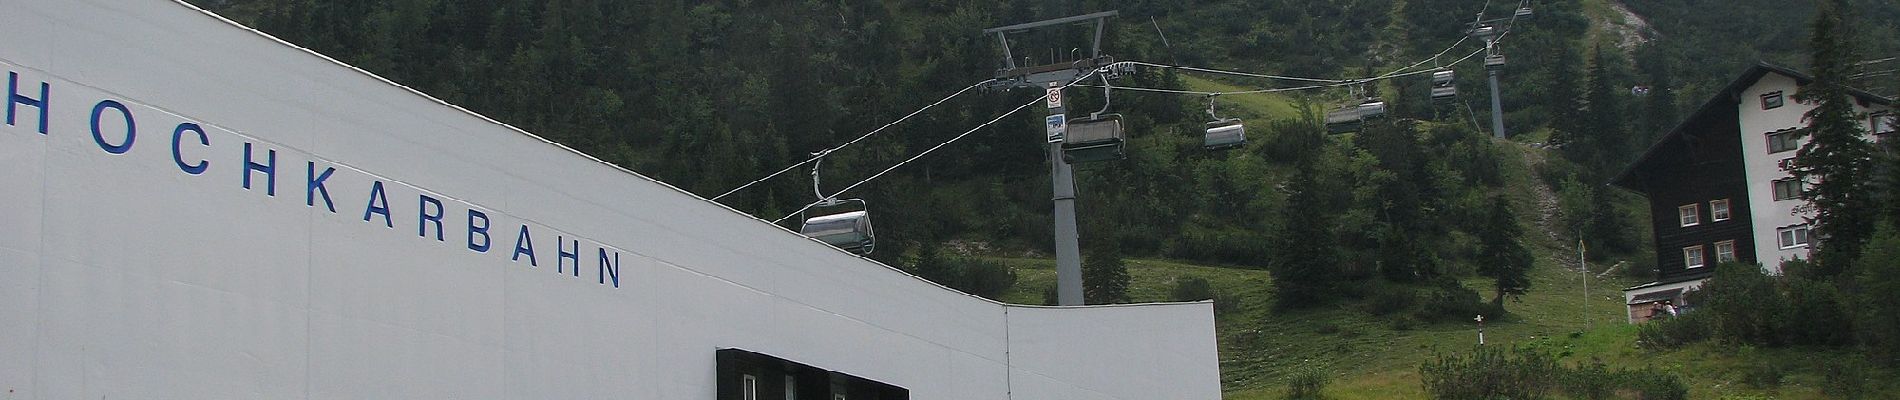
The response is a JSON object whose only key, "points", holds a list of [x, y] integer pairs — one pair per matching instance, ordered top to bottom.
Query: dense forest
{"points": [[711, 95]]}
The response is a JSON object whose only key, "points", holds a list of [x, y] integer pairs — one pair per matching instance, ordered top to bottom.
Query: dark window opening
{"points": [[1771, 100], [773, 378]]}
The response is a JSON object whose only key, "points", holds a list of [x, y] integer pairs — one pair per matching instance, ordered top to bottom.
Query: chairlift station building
{"points": [[192, 209]]}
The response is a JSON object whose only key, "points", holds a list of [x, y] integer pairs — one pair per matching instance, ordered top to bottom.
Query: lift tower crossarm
{"points": [[1009, 60], [1054, 77]]}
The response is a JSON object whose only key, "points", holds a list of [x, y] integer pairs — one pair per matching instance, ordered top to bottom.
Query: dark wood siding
{"points": [[1702, 164]]}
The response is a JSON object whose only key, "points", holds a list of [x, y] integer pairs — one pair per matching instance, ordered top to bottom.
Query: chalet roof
{"points": [[1727, 98]]}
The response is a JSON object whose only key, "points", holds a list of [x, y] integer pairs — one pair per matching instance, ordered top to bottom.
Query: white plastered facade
{"points": [[1763, 168], [124, 275]]}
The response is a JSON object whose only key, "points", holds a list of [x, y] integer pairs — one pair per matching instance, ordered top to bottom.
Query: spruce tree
{"points": [[1836, 162], [1501, 256], [1305, 267], [1104, 275]]}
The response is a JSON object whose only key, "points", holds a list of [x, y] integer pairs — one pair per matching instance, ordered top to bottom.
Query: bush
{"points": [[984, 277], [1197, 289], [1391, 299], [1451, 301], [1744, 304], [1672, 333], [1490, 373], [1523, 373], [1765, 375], [1845, 379], [1591, 382], [1307, 384], [1651, 384]]}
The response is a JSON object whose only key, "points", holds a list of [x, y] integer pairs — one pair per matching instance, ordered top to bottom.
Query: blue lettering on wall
{"points": [[14, 99], [131, 128], [178, 158], [269, 170], [313, 185], [378, 204], [431, 209], [424, 217], [477, 230], [524, 245], [562, 255], [609, 269]]}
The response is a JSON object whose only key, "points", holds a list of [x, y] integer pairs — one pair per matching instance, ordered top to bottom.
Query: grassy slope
{"points": [[1370, 359]]}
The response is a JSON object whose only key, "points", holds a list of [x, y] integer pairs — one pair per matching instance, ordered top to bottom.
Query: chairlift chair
{"points": [[1523, 13], [1484, 31], [1494, 62], [1444, 86], [1350, 119], [1222, 133], [1097, 138], [849, 230]]}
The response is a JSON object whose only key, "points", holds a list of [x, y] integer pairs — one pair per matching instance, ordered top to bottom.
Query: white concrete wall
{"points": [[1763, 169], [126, 276]]}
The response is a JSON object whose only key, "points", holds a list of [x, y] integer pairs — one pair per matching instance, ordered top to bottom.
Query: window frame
{"points": [[1772, 100], [1882, 118], [1783, 141], [1795, 194], [1722, 213], [1688, 215], [1794, 237], [1720, 256], [1694, 257], [748, 387], [791, 387]]}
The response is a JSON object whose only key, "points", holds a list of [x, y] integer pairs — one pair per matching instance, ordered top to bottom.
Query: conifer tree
{"points": [[1836, 163], [1501, 256], [1302, 273]]}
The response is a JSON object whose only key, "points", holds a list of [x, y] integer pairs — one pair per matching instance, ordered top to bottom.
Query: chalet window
{"points": [[1771, 100], [1883, 123], [1782, 140], [1787, 189], [1718, 210], [1689, 215], [1793, 236], [1725, 251], [1692, 257], [791, 387], [749, 388]]}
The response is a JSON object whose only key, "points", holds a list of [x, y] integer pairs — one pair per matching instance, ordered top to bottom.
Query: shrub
{"points": [[985, 278], [1197, 289], [1390, 299], [1452, 301], [1744, 305], [1817, 315], [1673, 332], [1490, 373], [1766, 375], [1844, 379], [1591, 382], [1307, 384], [1651, 384]]}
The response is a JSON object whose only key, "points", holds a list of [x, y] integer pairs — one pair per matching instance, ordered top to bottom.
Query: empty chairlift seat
{"points": [[1444, 86], [1349, 119], [1224, 134], [1093, 139], [849, 230]]}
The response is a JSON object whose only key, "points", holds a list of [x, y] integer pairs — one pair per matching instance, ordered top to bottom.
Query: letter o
{"points": [[131, 128]]}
